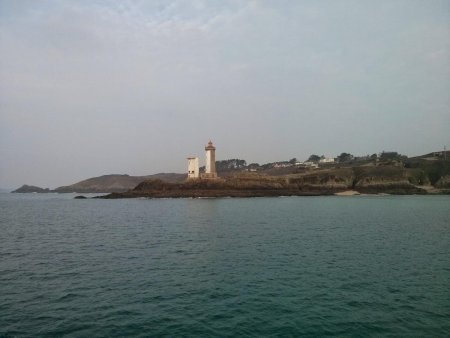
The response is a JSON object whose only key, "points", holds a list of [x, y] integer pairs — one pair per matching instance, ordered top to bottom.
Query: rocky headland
{"points": [[341, 181]]}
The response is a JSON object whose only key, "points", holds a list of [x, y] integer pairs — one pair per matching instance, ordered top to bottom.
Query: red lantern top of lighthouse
{"points": [[210, 146]]}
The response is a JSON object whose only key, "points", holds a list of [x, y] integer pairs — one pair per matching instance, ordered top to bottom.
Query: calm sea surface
{"points": [[282, 267]]}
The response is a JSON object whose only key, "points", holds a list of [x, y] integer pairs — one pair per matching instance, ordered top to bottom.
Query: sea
{"points": [[328, 266]]}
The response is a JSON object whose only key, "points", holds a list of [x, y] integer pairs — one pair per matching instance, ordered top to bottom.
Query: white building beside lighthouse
{"points": [[193, 168]]}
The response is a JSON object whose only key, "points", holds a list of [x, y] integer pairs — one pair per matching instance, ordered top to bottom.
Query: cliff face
{"points": [[369, 179], [387, 179], [335, 180], [443, 182], [376, 185]]}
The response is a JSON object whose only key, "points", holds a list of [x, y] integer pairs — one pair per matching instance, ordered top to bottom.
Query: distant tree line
{"points": [[344, 157], [230, 164]]}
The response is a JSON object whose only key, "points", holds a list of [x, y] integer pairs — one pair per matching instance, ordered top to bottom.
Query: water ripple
{"points": [[273, 267]]}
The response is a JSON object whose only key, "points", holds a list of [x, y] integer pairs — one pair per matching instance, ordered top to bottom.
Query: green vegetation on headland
{"points": [[389, 173]]}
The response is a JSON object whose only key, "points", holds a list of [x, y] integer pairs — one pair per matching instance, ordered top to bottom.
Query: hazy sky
{"points": [[96, 87]]}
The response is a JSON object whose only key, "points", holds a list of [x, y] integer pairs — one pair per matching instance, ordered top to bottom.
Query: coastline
{"points": [[261, 187], [249, 195]]}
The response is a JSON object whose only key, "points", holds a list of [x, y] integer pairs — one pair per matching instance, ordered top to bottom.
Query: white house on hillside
{"points": [[326, 160]]}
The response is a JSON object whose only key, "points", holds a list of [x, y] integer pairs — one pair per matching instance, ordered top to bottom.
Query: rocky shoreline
{"points": [[343, 182]]}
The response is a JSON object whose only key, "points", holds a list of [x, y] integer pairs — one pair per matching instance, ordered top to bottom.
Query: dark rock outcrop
{"points": [[385, 179], [443, 182]]}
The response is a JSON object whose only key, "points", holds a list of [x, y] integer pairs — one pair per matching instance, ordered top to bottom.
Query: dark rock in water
{"points": [[31, 188], [81, 197]]}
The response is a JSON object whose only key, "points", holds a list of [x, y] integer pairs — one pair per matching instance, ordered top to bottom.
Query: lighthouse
{"points": [[210, 168]]}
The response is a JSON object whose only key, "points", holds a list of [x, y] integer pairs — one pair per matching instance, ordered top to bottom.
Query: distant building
{"points": [[326, 160], [310, 164], [282, 165], [193, 168]]}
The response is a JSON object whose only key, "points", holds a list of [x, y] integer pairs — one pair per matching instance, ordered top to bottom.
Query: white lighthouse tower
{"points": [[210, 168]]}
